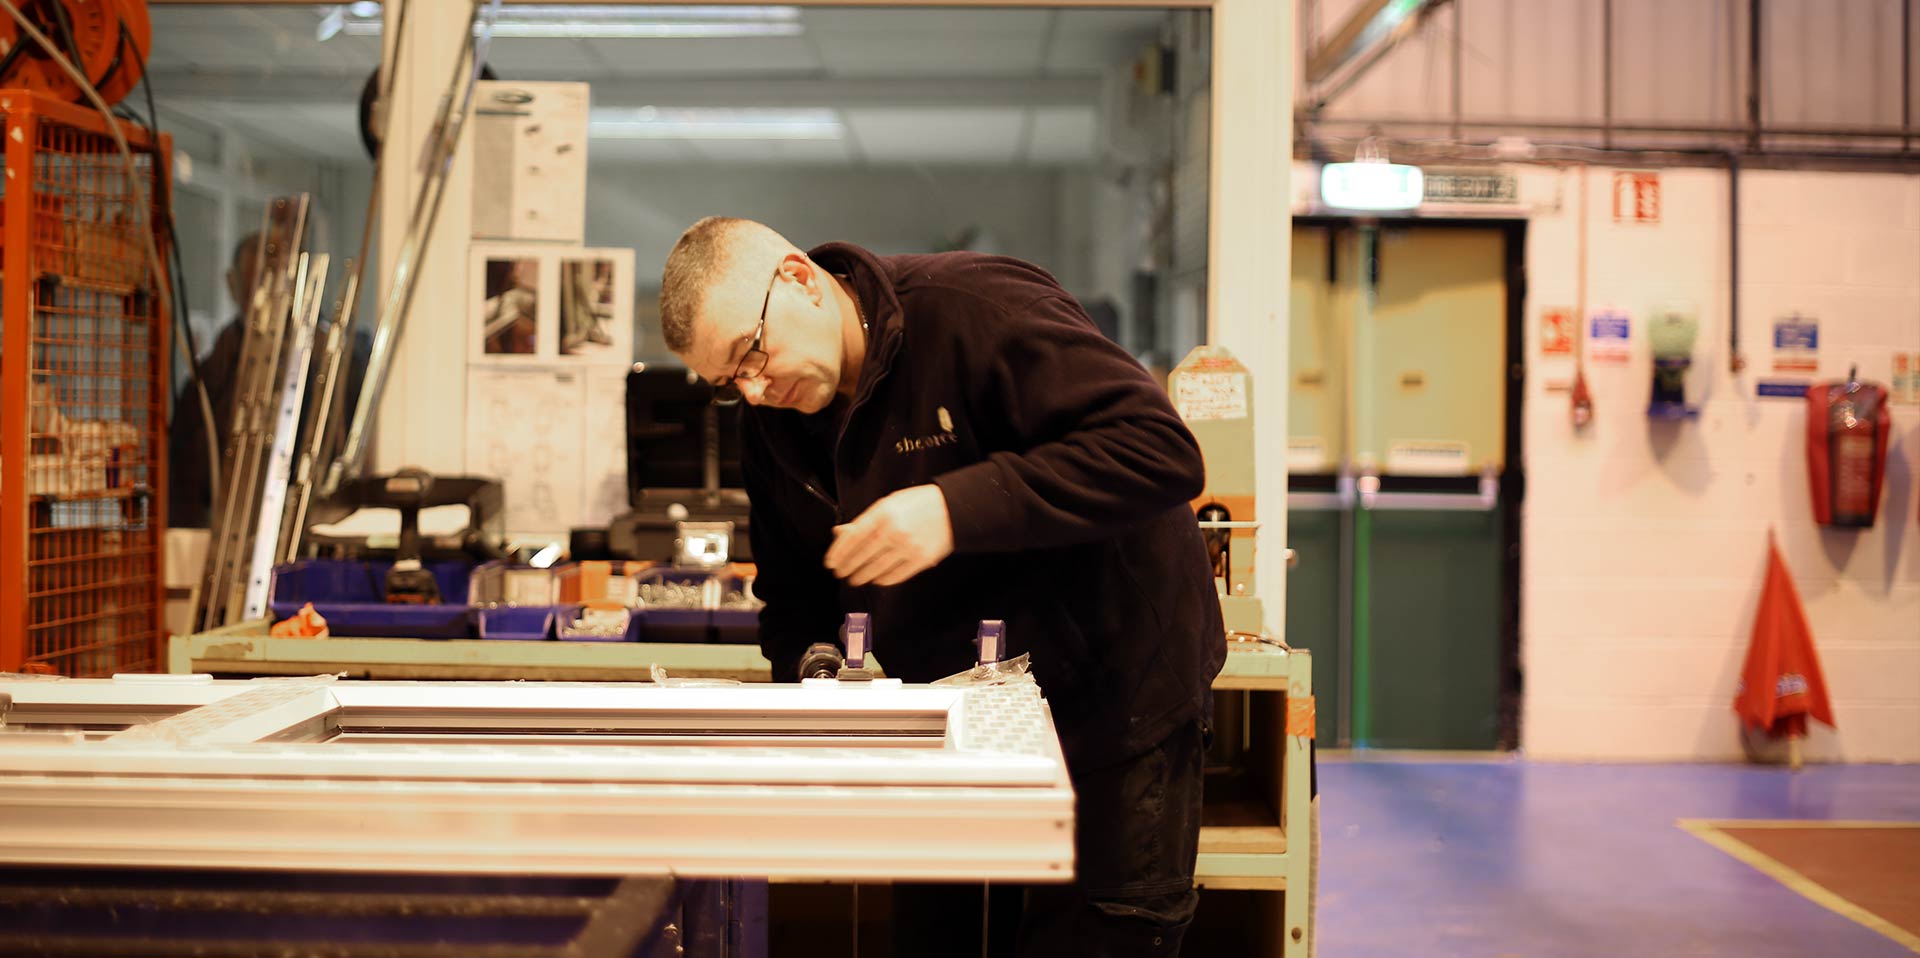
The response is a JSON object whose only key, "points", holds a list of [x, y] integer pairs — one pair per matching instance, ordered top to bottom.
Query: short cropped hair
{"points": [[248, 246], [699, 260]]}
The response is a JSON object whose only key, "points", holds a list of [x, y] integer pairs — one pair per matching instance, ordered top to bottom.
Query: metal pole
{"points": [[1309, 40], [1457, 45], [1365, 62], [1606, 74], [1753, 75], [1556, 126], [443, 140], [1346, 327], [1735, 362], [16, 393], [1361, 437]]}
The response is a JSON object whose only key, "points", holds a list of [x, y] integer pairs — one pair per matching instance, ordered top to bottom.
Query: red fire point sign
{"points": [[1636, 197]]}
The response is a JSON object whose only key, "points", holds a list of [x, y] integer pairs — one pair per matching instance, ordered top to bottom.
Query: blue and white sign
{"points": [[1608, 333], [1796, 344]]}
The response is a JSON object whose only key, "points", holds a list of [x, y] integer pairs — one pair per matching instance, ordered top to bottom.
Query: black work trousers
{"points": [[1136, 834]]}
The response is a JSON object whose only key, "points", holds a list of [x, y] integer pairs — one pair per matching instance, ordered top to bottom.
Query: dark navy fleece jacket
{"points": [[1067, 476]]}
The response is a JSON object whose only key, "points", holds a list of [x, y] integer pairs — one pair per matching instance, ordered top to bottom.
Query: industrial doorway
{"points": [[1405, 478]]}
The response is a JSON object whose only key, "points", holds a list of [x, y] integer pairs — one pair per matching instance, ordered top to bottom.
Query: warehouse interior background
{"points": [[1027, 132], [1552, 624]]}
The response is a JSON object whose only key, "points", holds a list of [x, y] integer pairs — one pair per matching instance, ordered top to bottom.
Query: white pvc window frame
{"points": [[243, 777]]}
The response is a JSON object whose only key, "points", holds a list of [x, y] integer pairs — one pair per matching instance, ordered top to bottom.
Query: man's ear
{"points": [[807, 273]]}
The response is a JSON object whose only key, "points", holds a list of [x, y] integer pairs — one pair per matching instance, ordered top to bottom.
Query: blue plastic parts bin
{"points": [[351, 595], [565, 615], [526, 623], [673, 625], [694, 626], [727, 626]]}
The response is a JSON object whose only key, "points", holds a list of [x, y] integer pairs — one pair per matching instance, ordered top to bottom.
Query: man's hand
{"points": [[896, 539]]}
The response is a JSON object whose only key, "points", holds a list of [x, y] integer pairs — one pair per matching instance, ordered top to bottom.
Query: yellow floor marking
{"points": [[1406, 756], [1793, 823], [1709, 831]]}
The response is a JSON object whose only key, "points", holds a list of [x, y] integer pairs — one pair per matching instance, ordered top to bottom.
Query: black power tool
{"points": [[409, 582]]}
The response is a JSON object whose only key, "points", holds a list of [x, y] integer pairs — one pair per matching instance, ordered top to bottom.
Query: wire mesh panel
{"points": [[83, 382]]}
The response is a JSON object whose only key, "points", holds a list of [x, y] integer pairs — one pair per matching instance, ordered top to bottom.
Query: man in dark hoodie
{"points": [[941, 439], [190, 485]]}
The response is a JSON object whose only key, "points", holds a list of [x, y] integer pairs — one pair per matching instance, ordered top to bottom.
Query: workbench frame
{"points": [[1276, 860]]}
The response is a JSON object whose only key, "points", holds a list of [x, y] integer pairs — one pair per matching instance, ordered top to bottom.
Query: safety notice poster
{"points": [[1556, 331], [1609, 335], [1796, 344], [1906, 378]]}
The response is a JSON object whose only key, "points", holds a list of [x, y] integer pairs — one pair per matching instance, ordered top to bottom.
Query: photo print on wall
{"points": [[511, 302], [596, 306]]}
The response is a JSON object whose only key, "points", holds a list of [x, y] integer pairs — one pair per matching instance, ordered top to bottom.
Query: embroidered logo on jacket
{"points": [[944, 437]]}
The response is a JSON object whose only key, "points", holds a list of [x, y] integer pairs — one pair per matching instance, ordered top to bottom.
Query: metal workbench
{"points": [[245, 649], [492, 818], [1258, 831], [1258, 835]]}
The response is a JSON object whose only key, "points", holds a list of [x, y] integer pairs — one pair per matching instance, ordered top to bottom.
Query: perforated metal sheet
{"points": [[233, 719], [1009, 719]]}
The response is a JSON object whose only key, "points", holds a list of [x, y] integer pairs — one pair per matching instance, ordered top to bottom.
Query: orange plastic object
{"points": [[83, 389], [584, 581], [598, 583], [304, 624], [1300, 716]]}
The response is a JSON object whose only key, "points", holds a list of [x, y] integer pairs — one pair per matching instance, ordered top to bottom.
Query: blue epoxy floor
{"points": [[1515, 859]]}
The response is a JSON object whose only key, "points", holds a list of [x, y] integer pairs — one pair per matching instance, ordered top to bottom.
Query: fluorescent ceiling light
{"points": [[602, 22], [649, 123], [1372, 185]]}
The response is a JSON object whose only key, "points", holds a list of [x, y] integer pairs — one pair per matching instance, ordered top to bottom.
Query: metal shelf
{"points": [[246, 649], [1246, 843], [1246, 846]]}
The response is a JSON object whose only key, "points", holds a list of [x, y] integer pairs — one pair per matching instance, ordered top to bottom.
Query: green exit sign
{"points": [[1474, 186]]}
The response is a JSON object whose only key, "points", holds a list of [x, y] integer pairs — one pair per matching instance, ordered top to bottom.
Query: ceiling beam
{"points": [[851, 93]]}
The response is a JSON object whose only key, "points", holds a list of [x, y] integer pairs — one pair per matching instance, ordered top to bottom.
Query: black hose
{"points": [[64, 24], [182, 311], [1735, 363]]}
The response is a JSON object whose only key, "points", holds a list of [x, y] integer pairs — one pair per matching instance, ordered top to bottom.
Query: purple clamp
{"points": [[856, 639], [991, 640]]}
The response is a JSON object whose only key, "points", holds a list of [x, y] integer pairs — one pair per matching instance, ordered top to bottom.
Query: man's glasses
{"points": [[754, 362]]}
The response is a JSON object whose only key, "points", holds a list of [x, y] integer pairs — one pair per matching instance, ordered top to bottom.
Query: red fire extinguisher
{"points": [[1847, 429]]}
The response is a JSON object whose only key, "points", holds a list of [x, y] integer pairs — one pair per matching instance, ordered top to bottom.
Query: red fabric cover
{"points": [[1820, 398], [1781, 685]]}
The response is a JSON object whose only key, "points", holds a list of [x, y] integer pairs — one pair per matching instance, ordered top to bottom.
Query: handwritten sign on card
{"points": [[1205, 396]]}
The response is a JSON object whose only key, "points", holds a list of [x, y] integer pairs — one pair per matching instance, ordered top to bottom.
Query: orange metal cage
{"points": [[83, 392]]}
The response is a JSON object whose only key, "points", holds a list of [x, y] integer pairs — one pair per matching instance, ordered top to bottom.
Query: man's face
{"points": [[243, 273], [800, 339]]}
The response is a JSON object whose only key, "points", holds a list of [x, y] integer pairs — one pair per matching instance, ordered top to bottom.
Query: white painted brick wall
{"points": [[1645, 541]]}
